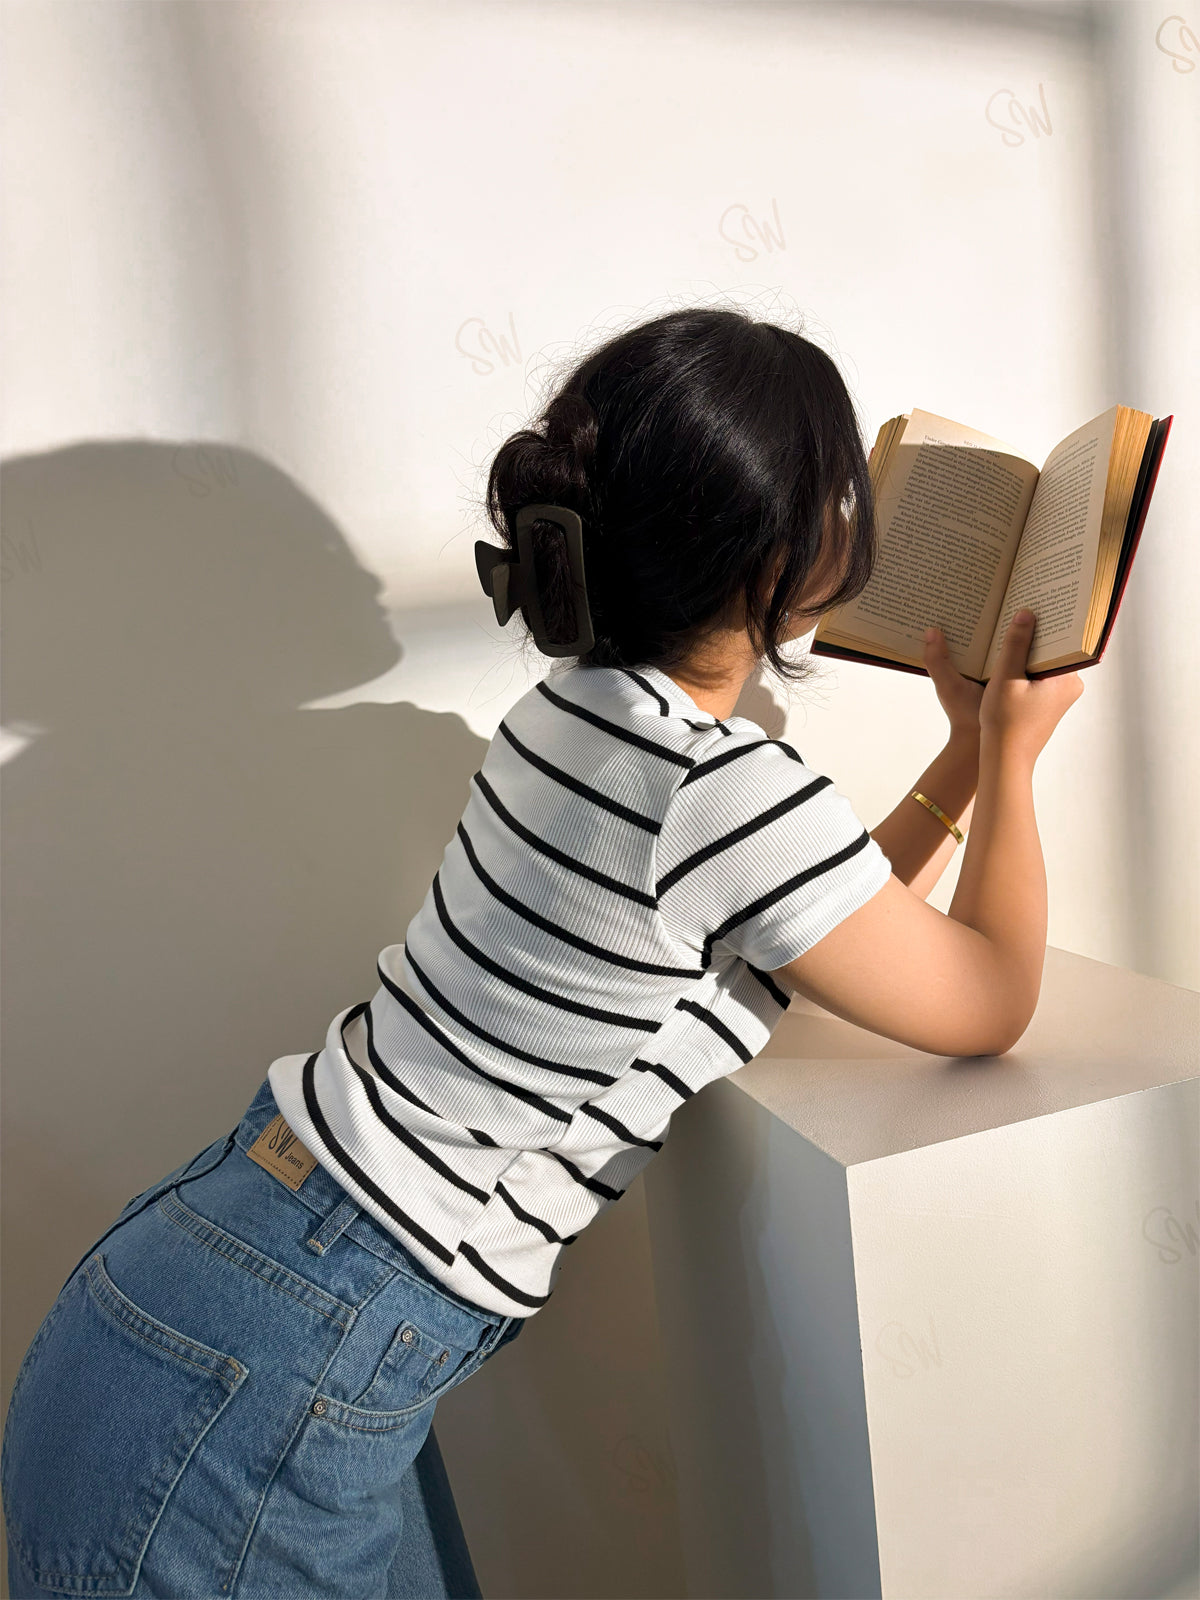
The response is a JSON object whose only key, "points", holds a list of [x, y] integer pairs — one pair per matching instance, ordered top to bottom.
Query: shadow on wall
{"points": [[758, 702], [197, 876]]}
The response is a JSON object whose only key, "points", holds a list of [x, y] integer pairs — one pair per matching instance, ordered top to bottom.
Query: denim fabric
{"points": [[233, 1395]]}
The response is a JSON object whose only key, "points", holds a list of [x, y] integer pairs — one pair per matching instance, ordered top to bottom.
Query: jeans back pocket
{"points": [[106, 1412]]}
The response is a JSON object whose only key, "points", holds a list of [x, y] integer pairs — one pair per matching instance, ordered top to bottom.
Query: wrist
{"points": [[963, 745], [1001, 752]]}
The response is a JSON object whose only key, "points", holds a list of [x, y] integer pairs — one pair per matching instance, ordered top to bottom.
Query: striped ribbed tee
{"points": [[596, 946]]}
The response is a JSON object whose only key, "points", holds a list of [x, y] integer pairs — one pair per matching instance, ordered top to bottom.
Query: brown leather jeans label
{"points": [[279, 1152]]}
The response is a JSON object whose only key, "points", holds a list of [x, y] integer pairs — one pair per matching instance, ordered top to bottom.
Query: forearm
{"points": [[918, 844], [1001, 889]]}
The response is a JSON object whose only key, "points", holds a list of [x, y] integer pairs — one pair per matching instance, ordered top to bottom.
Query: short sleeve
{"points": [[758, 850]]}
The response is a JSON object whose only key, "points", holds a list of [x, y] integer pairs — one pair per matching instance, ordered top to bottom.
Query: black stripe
{"points": [[664, 705], [615, 728], [733, 753], [577, 786], [736, 835], [639, 896], [769, 899], [559, 932], [769, 984], [363, 1010], [597, 1013], [419, 1015], [717, 1026], [383, 1071], [587, 1073], [667, 1076], [619, 1128], [407, 1137], [366, 1184], [593, 1184], [522, 1215], [469, 1253]]}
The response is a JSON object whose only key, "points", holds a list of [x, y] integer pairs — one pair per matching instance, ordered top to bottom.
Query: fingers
{"points": [[936, 651], [1014, 652]]}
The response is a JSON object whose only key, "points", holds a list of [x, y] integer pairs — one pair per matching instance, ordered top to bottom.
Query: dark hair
{"points": [[705, 452]]}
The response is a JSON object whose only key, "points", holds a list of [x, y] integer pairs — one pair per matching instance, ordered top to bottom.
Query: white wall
{"points": [[356, 238], [277, 279]]}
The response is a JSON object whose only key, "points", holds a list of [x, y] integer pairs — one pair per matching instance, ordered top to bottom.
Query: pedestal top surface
{"points": [[1098, 1031]]}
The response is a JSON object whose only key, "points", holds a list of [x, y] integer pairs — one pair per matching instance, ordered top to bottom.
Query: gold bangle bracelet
{"points": [[940, 814]]}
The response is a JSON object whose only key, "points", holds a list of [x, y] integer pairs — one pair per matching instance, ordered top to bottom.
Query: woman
{"points": [[233, 1393]]}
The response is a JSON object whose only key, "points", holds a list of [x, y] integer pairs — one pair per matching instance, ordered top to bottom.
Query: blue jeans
{"points": [[233, 1395]]}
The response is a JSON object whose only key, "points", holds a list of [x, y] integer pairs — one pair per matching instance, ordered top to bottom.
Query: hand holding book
{"points": [[959, 696], [1017, 711]]}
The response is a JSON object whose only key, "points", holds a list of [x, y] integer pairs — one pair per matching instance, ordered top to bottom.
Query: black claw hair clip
{"points": [[508, 577]]}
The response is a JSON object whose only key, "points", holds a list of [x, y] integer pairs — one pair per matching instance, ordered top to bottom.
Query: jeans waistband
{"points": [[340, 1213]]}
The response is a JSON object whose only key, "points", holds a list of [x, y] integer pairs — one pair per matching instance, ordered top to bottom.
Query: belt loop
{"points": [[334, 1225]]}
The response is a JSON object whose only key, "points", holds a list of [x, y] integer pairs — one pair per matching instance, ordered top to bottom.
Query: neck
{"points": [[716, 684]]}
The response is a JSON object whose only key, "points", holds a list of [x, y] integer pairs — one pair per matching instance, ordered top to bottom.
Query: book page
{"points": [[949, 511], [1056, 558]]}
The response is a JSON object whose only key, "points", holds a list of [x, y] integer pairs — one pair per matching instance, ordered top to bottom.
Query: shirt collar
{"points": [[677, 697]]}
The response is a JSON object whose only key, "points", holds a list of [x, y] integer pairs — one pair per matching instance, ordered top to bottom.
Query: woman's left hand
{"points": [[959, 696]]}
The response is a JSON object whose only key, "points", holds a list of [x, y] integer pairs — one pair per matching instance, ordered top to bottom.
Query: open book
{"points": [[969, 532]]}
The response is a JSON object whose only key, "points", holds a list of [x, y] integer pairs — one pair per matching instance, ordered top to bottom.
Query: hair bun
{"points": [[572, 429]]}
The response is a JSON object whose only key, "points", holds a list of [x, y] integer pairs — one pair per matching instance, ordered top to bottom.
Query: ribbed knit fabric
{"points": [[596, 946]]}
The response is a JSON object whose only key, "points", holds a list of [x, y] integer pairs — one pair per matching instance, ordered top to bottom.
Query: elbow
{"points": [[1007, 1012], [994, 1029], [1004, 1035], [1002, 1045]]}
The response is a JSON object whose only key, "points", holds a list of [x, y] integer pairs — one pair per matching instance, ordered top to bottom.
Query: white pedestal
{"points": [[929, 1326]]}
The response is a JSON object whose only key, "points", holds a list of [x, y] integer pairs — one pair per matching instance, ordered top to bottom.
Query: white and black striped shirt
{"points": [[595, 947]]}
